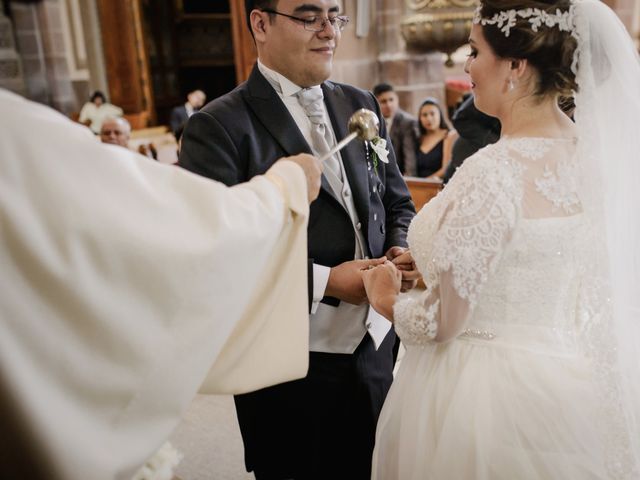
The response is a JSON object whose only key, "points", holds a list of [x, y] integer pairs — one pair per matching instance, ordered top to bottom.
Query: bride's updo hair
{"points": [[549, 50]]}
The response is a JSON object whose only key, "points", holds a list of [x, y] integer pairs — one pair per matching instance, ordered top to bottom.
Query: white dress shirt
{"points": [[332, 329]]}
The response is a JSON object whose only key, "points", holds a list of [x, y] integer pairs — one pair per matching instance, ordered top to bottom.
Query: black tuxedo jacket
{"points": [[242, 133], [404, 136]]}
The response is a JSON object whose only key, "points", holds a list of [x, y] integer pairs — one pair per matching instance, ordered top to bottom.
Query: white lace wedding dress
{"points": [[498, 381]]}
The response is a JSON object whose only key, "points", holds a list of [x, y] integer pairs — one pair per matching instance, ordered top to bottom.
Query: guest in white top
{"points": [[95, 111]]}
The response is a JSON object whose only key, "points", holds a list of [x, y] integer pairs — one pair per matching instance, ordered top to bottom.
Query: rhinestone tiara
{"points": [[506, 19]]}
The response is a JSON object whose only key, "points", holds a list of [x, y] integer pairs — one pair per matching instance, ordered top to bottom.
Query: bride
{"points": [[522, 354]]}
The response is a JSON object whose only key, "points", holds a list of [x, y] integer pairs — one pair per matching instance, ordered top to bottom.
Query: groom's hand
{"points": [[402, 259], [345, 280], [382, 284]]}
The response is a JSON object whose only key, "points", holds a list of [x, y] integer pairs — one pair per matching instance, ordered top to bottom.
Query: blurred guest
{"points": [[95, 111], [180, 115], [401, 126], [475, 130], [116, 131], [178, 135], [436, 139], [148, 150]]}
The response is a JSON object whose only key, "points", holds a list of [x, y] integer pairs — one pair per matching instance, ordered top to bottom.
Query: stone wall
{"points": [[629, 13], [59, 44], [41, 45], [381, 57], [356, 58], [11, 76], [415, 76]]}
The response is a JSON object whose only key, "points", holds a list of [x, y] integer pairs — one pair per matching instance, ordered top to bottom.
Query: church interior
{"points": [[147, 56]]}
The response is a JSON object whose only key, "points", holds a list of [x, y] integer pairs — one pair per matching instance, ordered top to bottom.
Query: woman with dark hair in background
{"points": [[435, 141]]}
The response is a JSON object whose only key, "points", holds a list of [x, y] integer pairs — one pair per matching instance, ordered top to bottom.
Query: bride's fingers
{"points": [[404, 259], [410, 275]]}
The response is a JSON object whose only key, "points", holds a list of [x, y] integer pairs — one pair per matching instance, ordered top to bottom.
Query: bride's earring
{"points": [[511, 85]]}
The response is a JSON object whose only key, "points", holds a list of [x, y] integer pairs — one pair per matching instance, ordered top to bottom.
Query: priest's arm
{"points": [[126, 286]]}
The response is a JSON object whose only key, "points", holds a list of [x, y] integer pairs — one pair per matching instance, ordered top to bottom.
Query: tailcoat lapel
{"points": [[264, 101]]}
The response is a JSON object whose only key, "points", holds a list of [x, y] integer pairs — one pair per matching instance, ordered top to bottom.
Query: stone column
{"points": [[628, 11], [42, 49], [381, 56], [356, 58], [11, 76], [414, 76]]}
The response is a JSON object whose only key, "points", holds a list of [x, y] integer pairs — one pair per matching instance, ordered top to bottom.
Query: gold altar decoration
{"points": [[438, 25]]}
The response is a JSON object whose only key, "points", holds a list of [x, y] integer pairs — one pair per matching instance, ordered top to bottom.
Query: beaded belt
{"points": [[474, 333]]}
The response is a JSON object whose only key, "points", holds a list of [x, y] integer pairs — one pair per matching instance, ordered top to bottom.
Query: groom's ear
{"points": [[257, 22]]}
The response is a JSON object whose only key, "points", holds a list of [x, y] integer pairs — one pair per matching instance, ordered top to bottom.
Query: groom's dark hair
{"points": [[250, 5]]}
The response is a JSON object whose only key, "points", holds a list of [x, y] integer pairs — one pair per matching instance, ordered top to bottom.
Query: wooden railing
{"points": [[422, 190]]}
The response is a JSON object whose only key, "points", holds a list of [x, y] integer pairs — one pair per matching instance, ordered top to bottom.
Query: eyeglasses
{"points": [[316, 24]]}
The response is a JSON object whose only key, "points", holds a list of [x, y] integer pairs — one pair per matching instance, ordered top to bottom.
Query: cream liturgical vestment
{"points": [[126, 286]]}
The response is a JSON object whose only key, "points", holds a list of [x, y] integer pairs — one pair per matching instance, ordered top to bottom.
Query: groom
{"points": [[322, 426]]}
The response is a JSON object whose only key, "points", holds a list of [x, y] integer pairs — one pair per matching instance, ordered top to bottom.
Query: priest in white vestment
{"points": [[126, 286]]}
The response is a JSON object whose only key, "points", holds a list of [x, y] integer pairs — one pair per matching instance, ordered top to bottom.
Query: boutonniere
{"points": [[378, 151]]}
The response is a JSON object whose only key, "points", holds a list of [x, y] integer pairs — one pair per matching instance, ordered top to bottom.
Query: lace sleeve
{"points": [[478, 209], [416, 322]]}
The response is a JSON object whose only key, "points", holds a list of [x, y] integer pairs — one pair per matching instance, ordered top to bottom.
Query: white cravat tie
{"points": [[311, 101]]}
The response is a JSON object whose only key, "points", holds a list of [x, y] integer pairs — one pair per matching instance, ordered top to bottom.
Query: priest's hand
{"points": [[312, 168], [402, 259], [345, 280], [382, 284]]}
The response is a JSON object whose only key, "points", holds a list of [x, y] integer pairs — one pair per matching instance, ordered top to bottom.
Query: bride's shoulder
{"points": [[489, 160]]}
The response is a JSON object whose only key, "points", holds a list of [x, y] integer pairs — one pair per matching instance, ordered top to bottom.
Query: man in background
{"points": [[179, 115], [402, 128], [475, 130], [116, 131]]}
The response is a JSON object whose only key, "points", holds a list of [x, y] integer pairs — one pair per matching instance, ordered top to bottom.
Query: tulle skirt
{"points": [[472, 410]]}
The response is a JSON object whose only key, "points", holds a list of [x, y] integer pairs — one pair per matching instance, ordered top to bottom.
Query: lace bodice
{"points": [[500, 248]]}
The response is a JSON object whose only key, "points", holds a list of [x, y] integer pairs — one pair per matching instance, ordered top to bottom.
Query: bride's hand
{"points": [[403, 260], [382, 284]]}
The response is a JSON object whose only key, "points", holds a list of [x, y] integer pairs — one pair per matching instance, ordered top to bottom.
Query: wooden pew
{"points": [[138, 120], [422, 190]]}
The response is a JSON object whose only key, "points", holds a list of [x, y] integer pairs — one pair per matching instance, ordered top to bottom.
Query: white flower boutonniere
{"points": [[379, 151]]}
